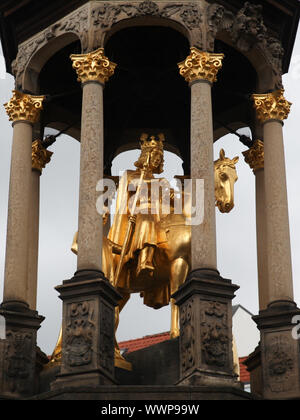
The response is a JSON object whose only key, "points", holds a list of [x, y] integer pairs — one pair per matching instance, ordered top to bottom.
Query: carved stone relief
{"points": [[189, 15], [218, 18], [248, 27], [246, 30], [80, 325], [214, 334], [107, 338], [187, 338], [18, 361], [280, 368]]}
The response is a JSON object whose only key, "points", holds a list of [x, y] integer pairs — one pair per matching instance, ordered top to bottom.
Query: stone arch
{"points": [[186, 18], [147, 21], [35, 52], [37, 61], [268, 78]]}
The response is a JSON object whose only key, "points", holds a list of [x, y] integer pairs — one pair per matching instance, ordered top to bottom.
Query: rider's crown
{"points": [[149, 143]]}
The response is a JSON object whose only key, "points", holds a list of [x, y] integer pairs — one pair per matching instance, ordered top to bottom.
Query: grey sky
{"points": [[236, 232]]}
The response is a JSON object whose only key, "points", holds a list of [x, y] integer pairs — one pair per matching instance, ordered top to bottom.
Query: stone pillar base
{"points": [[89, 302], [205, 343], [18, 351], [280, 355], [253, 363]]}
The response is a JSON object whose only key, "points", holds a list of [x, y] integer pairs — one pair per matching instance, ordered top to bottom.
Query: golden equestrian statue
{"points": [[148, 250]]}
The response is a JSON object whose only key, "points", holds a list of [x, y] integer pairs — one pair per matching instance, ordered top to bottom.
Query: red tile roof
{"points": [[149, 340], [141, 343], [244, 374]]}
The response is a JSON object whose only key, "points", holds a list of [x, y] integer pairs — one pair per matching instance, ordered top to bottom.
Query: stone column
{"points": [[93, 70], [200, 71], [272, 109], [24, 111], [40, 157], [255, 158], [204, 299], [89, 300], [18, 354], [280, 362]]}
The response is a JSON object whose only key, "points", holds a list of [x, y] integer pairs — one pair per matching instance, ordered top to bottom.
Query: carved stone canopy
{"points": [[201, 22], [149, 95]]}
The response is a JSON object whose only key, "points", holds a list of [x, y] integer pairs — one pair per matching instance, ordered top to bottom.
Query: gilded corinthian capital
{"points": [[93, 66], [201, 66], [271, 106], [24, 107], [40, 156], [255, 156]]}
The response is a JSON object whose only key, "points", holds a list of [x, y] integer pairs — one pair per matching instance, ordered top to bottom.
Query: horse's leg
{"points": [[179, 271], [122, 303], [119, 359]]}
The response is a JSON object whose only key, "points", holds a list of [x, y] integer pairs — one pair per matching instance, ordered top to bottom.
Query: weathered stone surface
{"points": [[202, 168], [91, 172], [277, 217], [262, 243], [16, 263], [206, 329], [88, 331], [18, 353], [280, 362], [253, 363], [155, 370], [150, 393]]}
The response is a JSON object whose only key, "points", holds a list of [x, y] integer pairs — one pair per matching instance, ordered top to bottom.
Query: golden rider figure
{"points": [[134, 225]]}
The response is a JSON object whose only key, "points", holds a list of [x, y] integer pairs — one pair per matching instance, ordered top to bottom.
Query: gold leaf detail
{"points": [[93, 66], [201, 66], [271, 106], [24, 107], [40, 156], [255, 156]]}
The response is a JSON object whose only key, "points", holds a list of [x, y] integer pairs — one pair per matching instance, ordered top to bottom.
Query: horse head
{"points": [[225, 178]]}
